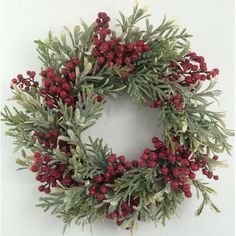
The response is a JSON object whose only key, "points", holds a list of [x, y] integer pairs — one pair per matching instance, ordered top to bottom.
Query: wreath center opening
{"points": [[125, 127]]}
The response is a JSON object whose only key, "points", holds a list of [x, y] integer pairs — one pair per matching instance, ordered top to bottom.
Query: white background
{"points": [[123, 127]]}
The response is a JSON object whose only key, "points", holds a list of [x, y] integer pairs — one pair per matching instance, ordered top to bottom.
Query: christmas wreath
{"points": [[84, 68]]}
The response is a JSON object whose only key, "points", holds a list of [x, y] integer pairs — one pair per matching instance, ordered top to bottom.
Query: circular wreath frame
{"points": [[156, 68]]}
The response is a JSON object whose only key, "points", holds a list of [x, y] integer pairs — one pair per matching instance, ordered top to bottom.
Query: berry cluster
{"points": [[112, 51], [190, 70], [25, 83], [60, 86], [175, 101], [48, 140], [116, 166], [176, 168], [114, 169], [50, 174], [126, 209]]}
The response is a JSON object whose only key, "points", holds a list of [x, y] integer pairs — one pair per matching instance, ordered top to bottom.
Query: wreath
{"points": [[84, 68]]}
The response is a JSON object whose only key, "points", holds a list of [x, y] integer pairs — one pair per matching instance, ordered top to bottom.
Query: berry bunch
{"points": [[112, 51], [191, 70], [25, 83], [60, 86], [175, 101], [47, 140], [115, 168], [177, 168], [50, 174], [126, 209]]}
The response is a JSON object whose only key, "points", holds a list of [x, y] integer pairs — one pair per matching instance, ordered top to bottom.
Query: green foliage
{"points": [[55, 52], [198, 128], [205, 191]]}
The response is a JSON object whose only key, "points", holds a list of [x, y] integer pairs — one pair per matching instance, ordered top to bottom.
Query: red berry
{"points": [[103, 32], [140, 42], [104, 46], [121, 48], [146, 48], [110, 56], [135, 57], [101, 60], [118, 61], [127, 61], [70, 65], [64, 71], [216, 71], [51, 74], [19, 77], [14, 81], [47, 82], [36, 84], [66, 87], [43, 91], [63, 94], [50, 103], [155, 140], [147, 150], [37, 155], [162, 155], [152, 156], [144, 157], [46, 158], [111, 158], [215, 158], [121, 159], [172, 159], [38, 160], [185, 162], [135, 163], [128, 164], [142, 164], [152, 164], [62, 167], [194, 167], [34, 168], [44, 169], [120, 169], [165, 170], [204, 171], [176, 172], [107, 175], [192, 175], [209, 175], [38, 177], [215, 177], [98, 179], [167, 179], [183, 179], [67, 181], [80, 184], [175, 184], [186, 187], [41, 188], [103, 189], [47, 190], [92, 190], [188, 194], [100, 197], [114, 215]]}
